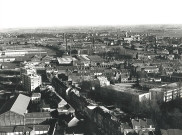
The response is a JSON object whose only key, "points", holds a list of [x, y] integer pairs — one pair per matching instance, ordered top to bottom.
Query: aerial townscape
{"points": [[101, 80]]}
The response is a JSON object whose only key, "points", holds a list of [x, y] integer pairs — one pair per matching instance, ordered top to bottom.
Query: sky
{"points": [[59, 13]]}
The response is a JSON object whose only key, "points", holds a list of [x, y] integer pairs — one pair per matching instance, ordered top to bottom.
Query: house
{"points": [[36, 58], [46, 59], [124, 77], [13, 111], [143, 124]]}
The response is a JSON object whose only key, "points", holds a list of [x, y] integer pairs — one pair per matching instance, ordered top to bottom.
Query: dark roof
{"points": [[95, 58], [177, 75], [17, 105], [149, 122], [135, 123], [142, 123]]}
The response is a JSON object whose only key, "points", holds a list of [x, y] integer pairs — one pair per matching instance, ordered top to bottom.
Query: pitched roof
{"points": [[47, 57], [62, 102], [17, 105], [73, 122], [149, 122], [135, 123], [142, 123]]}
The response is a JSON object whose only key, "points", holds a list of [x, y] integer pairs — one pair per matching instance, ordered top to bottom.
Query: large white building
{"points": [[27, 71], [31, 81], [166, 92]]}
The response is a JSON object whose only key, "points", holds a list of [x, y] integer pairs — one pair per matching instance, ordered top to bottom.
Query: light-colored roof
{"points": [[84, 57], [65, 60], [125, 87], [166, 87], [36, 94], [63, 102], [21, 104], [17, 105], [91, 107], [104, 109], [73, 122]]}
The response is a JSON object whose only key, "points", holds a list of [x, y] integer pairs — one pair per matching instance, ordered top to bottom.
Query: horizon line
{"points": [[102, 25]]}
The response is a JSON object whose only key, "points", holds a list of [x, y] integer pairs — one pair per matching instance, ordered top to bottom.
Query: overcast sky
{"points": [[55, 13]]}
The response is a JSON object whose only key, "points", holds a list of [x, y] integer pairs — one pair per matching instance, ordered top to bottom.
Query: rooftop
{"points": [[95, 58], [66, 60], [125, 87], [166, 87], [36, 94], [16, 105], [38, 115], [142, 122]]}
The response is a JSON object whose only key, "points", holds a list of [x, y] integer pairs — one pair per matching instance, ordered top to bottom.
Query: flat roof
{"points": [[125, 87], [166, 87]]}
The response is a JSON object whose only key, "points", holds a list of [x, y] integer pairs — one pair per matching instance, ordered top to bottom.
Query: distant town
{"points": [[91, 81]]}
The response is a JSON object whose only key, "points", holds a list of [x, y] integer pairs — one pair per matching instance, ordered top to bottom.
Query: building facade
{"points": [[31, 81]]}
